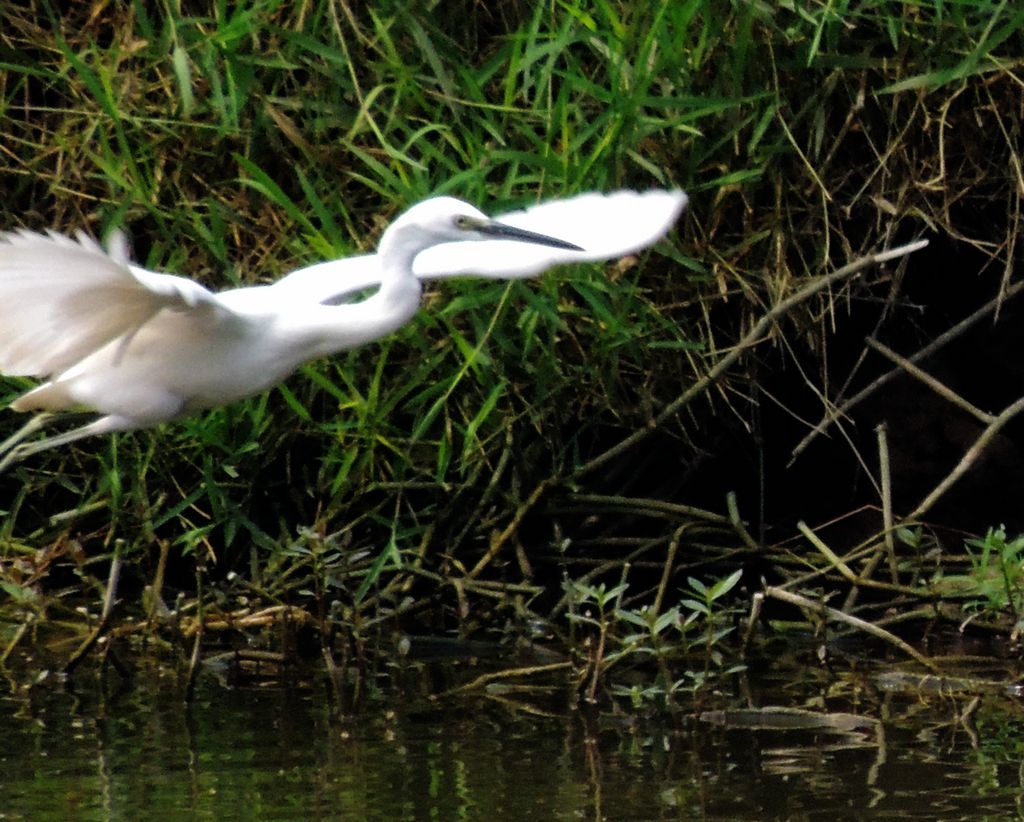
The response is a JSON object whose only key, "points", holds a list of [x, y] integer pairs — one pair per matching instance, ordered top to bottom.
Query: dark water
{"points": [[278, 753]]}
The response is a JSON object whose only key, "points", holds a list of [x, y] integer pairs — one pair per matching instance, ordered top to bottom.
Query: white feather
{"points": [[605, 226], [63, 298], [139, 347]]}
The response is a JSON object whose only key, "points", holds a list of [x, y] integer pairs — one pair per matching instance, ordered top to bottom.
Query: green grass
{"points": [[235, 142]]}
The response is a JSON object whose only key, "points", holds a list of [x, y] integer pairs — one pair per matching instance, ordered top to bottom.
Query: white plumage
{"points": [[139, 347]]}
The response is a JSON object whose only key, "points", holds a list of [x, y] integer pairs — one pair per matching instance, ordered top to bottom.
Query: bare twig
{"points": [[754, 336], [939, 342], [942, 390], [968, 459], [642, 505], [887, 520], [737, 523], [499, 541], [888, 546], [666, 573], [847, 573], [109, 598], [756, 604], [853, 622], [22, 629], [197, 644], [485, 679]]}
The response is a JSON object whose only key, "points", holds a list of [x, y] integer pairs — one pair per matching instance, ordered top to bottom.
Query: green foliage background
{"points": [[237, 141]]}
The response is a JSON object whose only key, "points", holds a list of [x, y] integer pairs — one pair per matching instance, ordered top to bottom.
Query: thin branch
{"points": [[754, 336], [939, 342], [943, 391], [968, 459], [887, 517], [498, 542], [847, 573], [109, 599], [853, 622], [484, 680]]}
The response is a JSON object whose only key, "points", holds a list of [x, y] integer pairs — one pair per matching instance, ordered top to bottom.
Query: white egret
{"points": [[139, 348]]}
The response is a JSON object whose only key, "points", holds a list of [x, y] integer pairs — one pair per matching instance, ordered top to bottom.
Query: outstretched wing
{"points": [[606, 226], [333, 282], [63, 298]]}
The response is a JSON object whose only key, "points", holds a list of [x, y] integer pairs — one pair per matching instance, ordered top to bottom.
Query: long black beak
{"points": [[500, 231]]}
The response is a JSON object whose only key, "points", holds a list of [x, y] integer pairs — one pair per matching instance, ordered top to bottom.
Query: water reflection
{"points": [[279, 754]]}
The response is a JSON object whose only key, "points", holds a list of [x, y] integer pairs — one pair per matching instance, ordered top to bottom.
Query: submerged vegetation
{"points": [[607, 456]]}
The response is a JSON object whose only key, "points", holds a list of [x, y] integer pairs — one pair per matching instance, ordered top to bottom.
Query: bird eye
{"points": [[462, 221]]}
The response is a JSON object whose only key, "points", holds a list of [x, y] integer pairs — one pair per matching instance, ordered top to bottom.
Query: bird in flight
{"points": [[139, 348]]}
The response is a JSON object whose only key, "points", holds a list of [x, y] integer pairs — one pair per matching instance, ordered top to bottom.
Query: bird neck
{"points": [[399, 246], [400, 290], [396, 300], [325, 329]]}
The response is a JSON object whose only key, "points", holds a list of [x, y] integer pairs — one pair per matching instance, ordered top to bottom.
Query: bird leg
{"points": [[36, 423], [16, 450]]}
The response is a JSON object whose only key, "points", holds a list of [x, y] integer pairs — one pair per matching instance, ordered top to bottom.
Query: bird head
{"points": [[447, 219]]}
